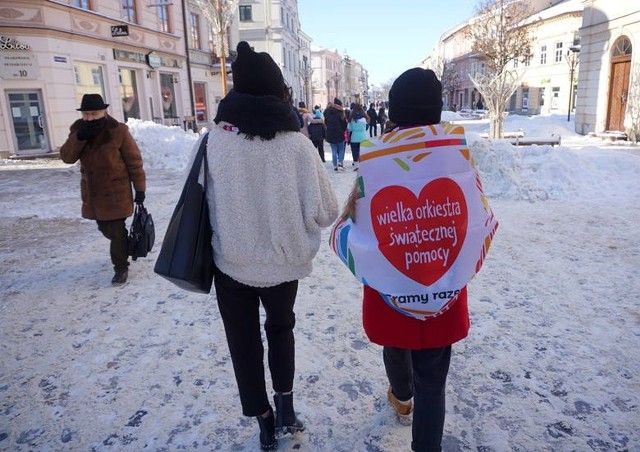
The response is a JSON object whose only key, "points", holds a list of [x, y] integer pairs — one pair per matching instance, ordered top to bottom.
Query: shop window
{"points": [[89, 80], [129, 94], [200, 94], [555, 95], [168, 96], [525, 99]]}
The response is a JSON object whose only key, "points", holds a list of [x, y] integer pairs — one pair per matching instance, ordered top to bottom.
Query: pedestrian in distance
{"points": [[306, 118], [382, 118], [373, 120], [336, 123], [358, 131], [318, 132], [110, 163], [269, 197]]}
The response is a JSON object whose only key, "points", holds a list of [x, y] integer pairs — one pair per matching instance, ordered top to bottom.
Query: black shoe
{"points": [[120, 277], [286, 420], [268, 439]]}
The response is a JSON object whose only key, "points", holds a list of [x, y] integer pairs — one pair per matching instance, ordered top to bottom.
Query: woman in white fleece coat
{"points": [[269, 197]]}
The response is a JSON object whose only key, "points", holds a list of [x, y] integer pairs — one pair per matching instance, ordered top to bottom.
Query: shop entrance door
{"points": [[27, 118]]}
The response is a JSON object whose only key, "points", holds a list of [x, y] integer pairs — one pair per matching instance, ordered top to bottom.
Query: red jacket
{"points": [[386, 326]]}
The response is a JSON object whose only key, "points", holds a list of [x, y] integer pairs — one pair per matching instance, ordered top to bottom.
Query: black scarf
{"points": [[257, 115]]}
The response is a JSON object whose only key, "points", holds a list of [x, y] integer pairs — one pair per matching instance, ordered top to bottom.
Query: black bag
{"points": [[142, 233], [186, 255]]}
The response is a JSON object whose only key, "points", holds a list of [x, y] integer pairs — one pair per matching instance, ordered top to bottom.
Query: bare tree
{"points": [[219, 14], [500, 33], [450, 80]]}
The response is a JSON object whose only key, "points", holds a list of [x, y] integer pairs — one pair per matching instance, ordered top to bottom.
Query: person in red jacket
{"points": [[416, 352]]}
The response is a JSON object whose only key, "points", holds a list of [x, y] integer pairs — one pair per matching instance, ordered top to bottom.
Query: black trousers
{"points": [[373, 129], [319, 144], [116, 232], [239, 307], [421, 374]]}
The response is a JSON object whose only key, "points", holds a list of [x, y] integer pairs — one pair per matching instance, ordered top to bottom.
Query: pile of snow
{"points": [[162, 147], [531, 173]]}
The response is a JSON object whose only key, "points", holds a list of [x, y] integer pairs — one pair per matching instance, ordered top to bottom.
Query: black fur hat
{"points": [[256, 73], [415, 98]]}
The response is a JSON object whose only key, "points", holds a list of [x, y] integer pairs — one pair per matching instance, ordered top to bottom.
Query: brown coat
{"points": [[109, 164]]}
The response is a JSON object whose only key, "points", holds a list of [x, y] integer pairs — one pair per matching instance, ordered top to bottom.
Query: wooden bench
{"points": [[518, 134], [553, 140]]}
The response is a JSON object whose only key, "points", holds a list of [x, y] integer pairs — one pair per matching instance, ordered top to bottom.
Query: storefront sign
{"points": [[119, 30], [7, 43], [125, 55], [154, 60], [19, 66]]}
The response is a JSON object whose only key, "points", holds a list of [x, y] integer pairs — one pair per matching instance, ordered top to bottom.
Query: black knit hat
{"points": [[256, 73], [415, 98], [337, 101], [92, 102]]}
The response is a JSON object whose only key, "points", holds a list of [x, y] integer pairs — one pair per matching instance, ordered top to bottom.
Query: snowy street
{"points": [[552, 362]]}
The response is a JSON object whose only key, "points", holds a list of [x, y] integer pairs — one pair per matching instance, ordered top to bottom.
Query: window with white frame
{"points": [[543, 54], [558, 55]]}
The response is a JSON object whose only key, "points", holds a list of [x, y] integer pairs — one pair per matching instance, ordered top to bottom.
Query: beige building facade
{"points": [[150, 61], [609, 76]]}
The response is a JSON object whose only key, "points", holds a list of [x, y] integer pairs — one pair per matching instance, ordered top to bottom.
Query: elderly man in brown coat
{"points": [[110, 162]]}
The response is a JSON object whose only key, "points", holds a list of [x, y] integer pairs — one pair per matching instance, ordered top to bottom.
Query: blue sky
{"points": [[386, 37]]}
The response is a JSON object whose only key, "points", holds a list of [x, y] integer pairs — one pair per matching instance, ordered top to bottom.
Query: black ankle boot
{"points": [[286, 420], [268, 439]]}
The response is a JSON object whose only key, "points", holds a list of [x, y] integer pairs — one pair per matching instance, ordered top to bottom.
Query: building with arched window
{"points": [[609, 87]]}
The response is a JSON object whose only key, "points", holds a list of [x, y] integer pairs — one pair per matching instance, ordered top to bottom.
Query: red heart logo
{"points": [[421, 236]]}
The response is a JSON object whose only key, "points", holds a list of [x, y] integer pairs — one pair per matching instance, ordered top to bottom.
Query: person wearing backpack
{"points": [[416, 344]]}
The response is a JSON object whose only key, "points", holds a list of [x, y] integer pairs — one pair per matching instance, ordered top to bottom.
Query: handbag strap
{"points": [[204, 157]]}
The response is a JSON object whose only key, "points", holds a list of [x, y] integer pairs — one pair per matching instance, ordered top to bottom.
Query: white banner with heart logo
{"points": [[423, 223]]}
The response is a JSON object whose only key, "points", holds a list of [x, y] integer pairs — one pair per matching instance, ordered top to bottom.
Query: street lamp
{"points": [[573, 58], [336, 79]]}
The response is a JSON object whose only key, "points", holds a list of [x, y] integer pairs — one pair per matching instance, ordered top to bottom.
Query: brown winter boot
{"points": [[404, 410]]}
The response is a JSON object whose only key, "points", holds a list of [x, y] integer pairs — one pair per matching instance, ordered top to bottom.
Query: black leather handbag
{"points": [[142, 233], [186, 255]]}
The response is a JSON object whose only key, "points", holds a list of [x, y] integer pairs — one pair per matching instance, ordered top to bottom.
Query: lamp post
{"points": [[573, 58], [335, 78]]}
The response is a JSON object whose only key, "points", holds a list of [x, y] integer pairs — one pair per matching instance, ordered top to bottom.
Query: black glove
{"points": [[90, 129], [139, 199]]}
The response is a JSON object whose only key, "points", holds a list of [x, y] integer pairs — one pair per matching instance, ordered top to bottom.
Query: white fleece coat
{"points": [[268, 201]]}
